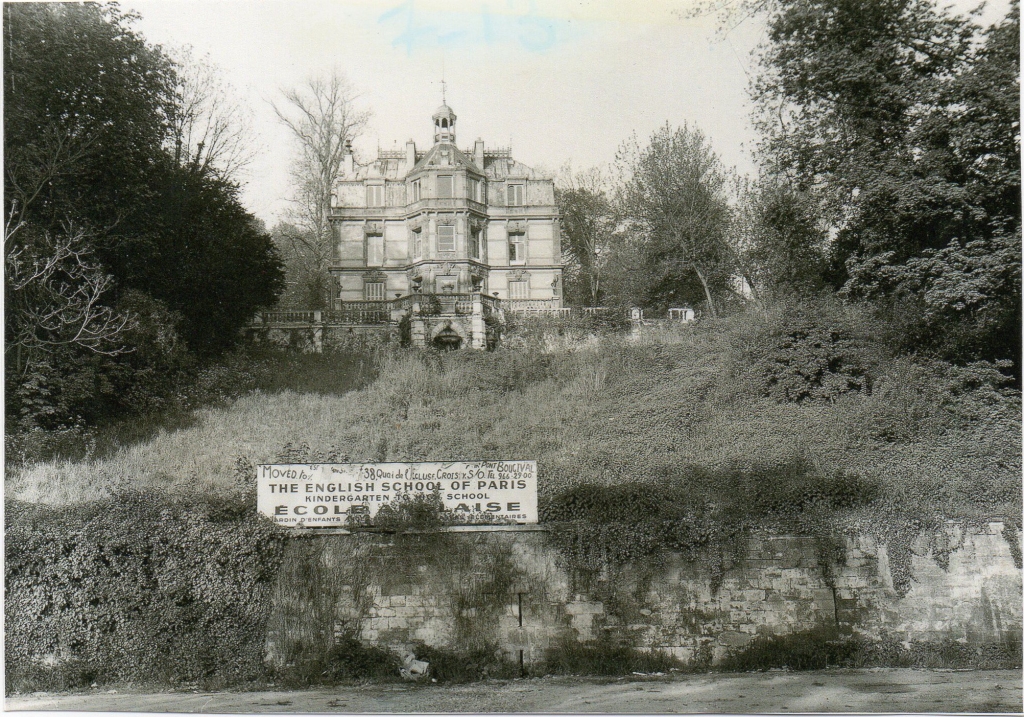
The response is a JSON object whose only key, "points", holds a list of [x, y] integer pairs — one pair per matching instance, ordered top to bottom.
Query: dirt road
{"points": [[875, 690]]}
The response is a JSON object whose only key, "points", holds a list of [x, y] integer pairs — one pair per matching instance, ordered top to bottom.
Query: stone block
{"points": [[584, 608], [734, 638]]}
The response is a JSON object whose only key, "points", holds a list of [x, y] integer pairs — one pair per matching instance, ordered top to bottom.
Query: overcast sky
{"points": [[560, 80]]}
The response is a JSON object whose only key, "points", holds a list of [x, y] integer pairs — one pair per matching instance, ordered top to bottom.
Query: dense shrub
{"points": [[814, 350], [916, 397], [138, 587]]}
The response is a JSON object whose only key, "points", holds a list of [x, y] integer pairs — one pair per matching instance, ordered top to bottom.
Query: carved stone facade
{"points": [[445, 221]]}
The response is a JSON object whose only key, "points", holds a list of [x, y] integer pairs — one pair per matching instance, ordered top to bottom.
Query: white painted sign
{"points": [[324, 495]]}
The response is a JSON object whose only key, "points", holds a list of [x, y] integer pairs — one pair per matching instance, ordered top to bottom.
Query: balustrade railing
{"points": [[445, 304], [490, 305], [530, 305], [359, 312], [383, 312], [288, 317]]}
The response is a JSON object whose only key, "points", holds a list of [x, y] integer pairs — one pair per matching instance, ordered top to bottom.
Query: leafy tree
{"points": [[841, 86], [84, 117], [901, 120], [673, 199], [588, 224], [779, 239], [109, 242], [206, 258]]}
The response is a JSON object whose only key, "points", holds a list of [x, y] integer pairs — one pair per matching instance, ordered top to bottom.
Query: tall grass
{"points": [[599, 411]]}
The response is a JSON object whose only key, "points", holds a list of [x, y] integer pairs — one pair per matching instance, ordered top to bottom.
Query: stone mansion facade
{"points": [[445, 221]]}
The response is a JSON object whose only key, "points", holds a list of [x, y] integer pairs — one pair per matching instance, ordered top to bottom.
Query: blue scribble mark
{"points": [[521, 24], [413, 31], [539, 32]]}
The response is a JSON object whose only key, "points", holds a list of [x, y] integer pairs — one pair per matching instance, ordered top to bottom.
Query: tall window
{"points": [[445, 186], [417, 191], [478, 191], [375, 195], [515, 195], [446, 238], [417, 243], [474, 243], [516, 248], [374, 250], [519, 290], [374, 291]]}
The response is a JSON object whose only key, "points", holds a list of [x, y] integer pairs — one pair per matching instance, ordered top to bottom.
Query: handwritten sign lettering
{"points": [[325, 495]]}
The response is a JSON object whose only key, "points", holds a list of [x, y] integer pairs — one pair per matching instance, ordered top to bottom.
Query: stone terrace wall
{"points": [[465, 590]]}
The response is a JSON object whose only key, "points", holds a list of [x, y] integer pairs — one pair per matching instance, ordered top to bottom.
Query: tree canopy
{"points": [[900, 122], [673, 200], [105, 231]]}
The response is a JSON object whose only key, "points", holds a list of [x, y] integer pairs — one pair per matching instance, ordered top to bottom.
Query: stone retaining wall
{"points": [[465, 590]]}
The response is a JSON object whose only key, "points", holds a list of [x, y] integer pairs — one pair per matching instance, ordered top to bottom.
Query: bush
{"points": [[814, 350], [915, 397], [138, 587], [824, 647], [348, 659]]}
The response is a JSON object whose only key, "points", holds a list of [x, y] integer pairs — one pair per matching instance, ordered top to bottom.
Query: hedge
{"points": [[141, 587]]}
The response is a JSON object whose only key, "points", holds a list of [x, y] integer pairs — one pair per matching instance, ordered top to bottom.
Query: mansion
{"points": [[445, 221]]}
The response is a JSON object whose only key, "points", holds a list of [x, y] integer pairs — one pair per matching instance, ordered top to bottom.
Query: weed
{"points": [[824, 647], [604, 657]]}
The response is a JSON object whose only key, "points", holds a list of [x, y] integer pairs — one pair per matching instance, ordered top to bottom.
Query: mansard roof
{"points": [[444, 154], [391, 164]]}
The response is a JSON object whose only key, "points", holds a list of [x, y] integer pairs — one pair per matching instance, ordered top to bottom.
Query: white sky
{"points": [[562, 80]]}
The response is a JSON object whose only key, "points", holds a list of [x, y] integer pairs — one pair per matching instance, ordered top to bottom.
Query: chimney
{"points": [[478, 153], [410, 155], [349, 168]]}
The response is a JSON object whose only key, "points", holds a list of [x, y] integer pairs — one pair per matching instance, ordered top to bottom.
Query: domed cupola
{"points": [[444, 124]]}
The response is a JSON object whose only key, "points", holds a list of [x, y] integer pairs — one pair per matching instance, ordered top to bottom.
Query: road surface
{"points": [[841, 690]]}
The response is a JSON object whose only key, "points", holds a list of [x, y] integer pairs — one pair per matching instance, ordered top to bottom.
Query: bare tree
{"points": [[323, 117], [211, 130], [29, 169], [53, 299]]}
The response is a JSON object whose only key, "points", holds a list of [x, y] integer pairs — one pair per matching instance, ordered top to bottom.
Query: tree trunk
{"points": [[707, 292], [754, 293]]}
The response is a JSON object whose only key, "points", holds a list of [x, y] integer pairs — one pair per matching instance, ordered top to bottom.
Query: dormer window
{"points": [[375, 195], [515, 195]]}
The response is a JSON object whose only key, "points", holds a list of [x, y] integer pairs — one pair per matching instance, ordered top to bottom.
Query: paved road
{"points": [[875, 690]]}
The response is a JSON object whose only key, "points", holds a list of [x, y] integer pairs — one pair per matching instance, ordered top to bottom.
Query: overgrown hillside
{"points": [[937, 439]]}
